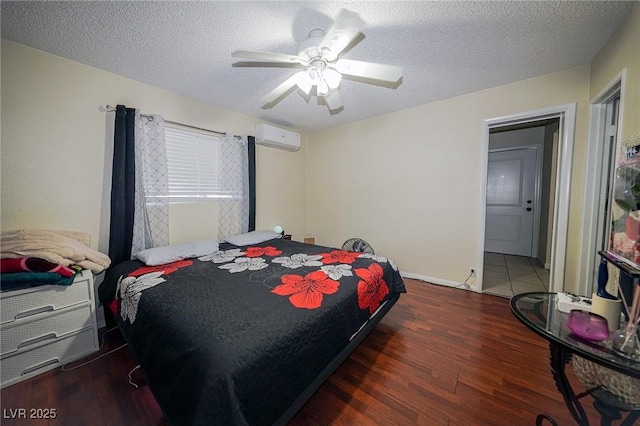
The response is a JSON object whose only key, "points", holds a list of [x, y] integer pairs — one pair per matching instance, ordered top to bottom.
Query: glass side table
{"points": [[538, 312]]}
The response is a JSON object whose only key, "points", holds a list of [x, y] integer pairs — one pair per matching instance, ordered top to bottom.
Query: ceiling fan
{"points": [[322, 67]]}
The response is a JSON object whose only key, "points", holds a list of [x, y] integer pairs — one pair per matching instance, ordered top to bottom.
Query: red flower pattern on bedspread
{"points": [[260, 251], [339, 256], [166, 269], [372, 289], [306, 292], [113, 306]]}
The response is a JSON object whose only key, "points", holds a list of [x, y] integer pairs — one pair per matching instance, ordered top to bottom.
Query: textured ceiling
{"points": [[446, 48]]}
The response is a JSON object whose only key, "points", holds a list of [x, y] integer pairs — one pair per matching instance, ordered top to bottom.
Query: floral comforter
{"points": [[234, 337]]}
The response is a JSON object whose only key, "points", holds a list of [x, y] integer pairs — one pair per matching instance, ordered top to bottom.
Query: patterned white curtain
{"points": [[233, 213], [151, 216]]}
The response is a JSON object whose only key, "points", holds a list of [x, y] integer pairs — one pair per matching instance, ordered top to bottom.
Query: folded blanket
{"points": [[61, 247], [34, 264], [18, 280]]}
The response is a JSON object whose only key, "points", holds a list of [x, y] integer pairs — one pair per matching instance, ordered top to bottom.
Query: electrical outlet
{"points": [[473, 271]]}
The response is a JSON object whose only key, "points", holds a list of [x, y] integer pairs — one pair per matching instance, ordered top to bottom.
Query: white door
{"points": [[511, 177]]}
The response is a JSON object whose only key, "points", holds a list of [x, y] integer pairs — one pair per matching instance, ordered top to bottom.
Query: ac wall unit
{"points": [[276, 137]]}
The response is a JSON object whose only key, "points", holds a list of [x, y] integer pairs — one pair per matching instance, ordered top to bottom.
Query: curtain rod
{"points": [[110, 108]]}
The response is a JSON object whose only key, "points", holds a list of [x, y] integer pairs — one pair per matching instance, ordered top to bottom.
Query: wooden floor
{"points": [[441, 356]]}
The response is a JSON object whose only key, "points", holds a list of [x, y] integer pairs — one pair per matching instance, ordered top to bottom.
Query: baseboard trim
{"points": [[438, 281]]}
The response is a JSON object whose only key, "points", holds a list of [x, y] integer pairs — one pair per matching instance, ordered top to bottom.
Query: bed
{"points": [[246, 335]]}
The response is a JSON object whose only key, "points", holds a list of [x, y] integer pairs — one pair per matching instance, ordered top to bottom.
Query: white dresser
{"points": [[44, 327]]}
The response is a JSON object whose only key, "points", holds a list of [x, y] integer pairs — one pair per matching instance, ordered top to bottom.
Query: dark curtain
{"points": [[251, 145], [122, 186]]}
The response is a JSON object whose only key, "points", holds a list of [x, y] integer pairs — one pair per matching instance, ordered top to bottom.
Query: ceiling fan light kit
{"points": [[323, 69], [319, 76]]}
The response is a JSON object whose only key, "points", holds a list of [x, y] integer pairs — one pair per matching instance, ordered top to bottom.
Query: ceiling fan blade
{"points": [[345, 28], [269, 57], [372, 70], [279, 91], [333, 100]]}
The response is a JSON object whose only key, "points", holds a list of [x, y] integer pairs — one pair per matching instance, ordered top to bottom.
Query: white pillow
{"points": [[253, 237], [167, 254]]}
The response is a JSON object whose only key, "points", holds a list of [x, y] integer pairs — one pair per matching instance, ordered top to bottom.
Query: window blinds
{"points": [[193, 165]]}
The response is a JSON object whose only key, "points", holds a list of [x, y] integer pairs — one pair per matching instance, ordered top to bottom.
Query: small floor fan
{"points": [[358, 245]]}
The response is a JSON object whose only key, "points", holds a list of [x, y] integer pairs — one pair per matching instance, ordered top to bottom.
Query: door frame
{"points": [[567, 116], [593, 177], [535, 230]]}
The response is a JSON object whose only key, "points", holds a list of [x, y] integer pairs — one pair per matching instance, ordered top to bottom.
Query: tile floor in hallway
{"points": [[506, 275]]}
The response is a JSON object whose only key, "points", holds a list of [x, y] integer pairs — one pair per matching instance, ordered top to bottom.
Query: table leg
{"points": [[559, 358], [607, 414], [610, 414], [542, 417], [631, 418]]}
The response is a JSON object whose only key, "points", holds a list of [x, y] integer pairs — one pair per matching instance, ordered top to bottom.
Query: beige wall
{"points": [[622, 51], [54, 146], [409, 182]]}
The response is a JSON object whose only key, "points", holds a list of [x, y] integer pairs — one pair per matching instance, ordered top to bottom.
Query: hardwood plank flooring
{"points": [[441, 356]]}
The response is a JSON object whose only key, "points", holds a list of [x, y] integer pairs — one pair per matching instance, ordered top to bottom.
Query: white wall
{"points": [[56, 150], [409, 182]]}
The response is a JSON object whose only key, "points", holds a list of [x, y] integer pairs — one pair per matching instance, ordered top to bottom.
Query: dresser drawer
{"points": [[33, 301], [44, 328], [29, 363]]}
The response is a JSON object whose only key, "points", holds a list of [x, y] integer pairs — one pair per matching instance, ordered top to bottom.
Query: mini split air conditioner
{"points": [[276, 137]]}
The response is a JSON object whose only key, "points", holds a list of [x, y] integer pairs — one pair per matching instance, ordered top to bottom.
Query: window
{"points": [[192, 158]]}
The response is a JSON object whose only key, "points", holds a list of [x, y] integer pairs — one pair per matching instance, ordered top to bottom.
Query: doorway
{"points": [[606, 112], [512, 179], [520, 187], [551, 190]]}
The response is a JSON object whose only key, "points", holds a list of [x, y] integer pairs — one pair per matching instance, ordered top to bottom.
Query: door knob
{"points": [[528, 201], [529, 209]]}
